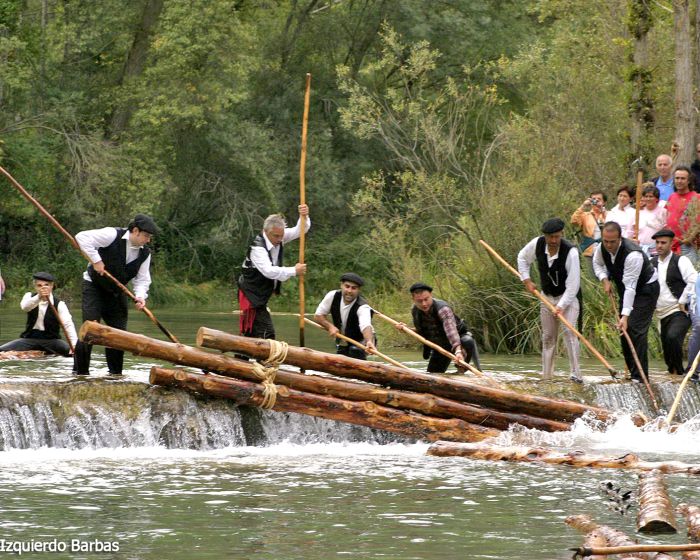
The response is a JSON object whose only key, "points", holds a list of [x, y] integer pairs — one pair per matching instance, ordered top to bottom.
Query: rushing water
{"points": [[96, 464]]}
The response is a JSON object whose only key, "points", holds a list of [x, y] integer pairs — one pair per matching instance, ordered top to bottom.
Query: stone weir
{"points": [[101, 413]]}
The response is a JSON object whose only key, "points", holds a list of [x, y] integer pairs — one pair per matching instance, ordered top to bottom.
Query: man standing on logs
{"points": [[122, 253], [263, 273], [560, 277], [677, 277], [636, 280], [46, 315], [351, 316], [435, 321]]}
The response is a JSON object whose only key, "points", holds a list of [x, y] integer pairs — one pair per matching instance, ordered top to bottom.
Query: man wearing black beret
{"points": [[123, 253], [626, 264], [677, 277], [560, 278], [46, 314], [351, 316], [435, 321]]}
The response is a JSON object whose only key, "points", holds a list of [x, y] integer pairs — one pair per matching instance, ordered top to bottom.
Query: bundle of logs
{"points": [[367, 393], [656, 515]]}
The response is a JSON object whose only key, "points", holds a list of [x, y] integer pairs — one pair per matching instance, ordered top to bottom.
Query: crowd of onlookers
{"points": [[664, 203]]}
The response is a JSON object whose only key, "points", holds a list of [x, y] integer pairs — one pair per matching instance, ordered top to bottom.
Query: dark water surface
{"points": [[313, 489]]}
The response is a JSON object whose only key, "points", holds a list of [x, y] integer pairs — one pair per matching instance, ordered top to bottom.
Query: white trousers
{"points": [[550, 334]]}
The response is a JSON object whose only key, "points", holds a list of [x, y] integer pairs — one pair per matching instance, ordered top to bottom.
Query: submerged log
{"points": [[22, 355], [225, 365], [374, 372], [368, 414], [553, 457], [655, 508], [692, 519], [613, 537]]}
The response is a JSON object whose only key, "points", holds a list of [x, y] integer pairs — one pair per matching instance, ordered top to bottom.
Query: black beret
{"points": [[144, 223], [553, 225], [663, 233], [43, 276], [352, 277], [420, 287]]}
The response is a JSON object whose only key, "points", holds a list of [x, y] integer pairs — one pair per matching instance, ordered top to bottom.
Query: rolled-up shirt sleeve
{"points": [[294, 232], [261, 261], [630, 277], [29, 302], [324, 308], [364, 316], [449, 323]]}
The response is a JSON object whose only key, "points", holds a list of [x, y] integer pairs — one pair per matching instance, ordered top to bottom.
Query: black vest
{"points": [[114, 258], [616, 270], [674, 278], [553, 279], [256, 287], [430, 325], [352, 327], [52, 328]]}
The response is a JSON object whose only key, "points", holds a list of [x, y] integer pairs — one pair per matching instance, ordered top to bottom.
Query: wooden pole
{"points": [[302, 200], [638, 202], [74, 243], [63, 327], [432, 345], [361, 346], [635, 357], [613, 373], [399, 378], [323, 385], [681, 388], [368, 414], [553, 457], [655, 509], [612, 537], [585, 551]]}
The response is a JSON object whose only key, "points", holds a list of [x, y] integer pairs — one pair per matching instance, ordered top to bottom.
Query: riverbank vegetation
{"points": [[432, 125]]}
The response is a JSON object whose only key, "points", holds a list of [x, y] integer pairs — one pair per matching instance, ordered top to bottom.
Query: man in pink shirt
{"points": [[677, 207]]}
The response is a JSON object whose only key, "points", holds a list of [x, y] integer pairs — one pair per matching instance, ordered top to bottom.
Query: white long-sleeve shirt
{"points": [[623, 216], [92, 240], [527, 256], [261, 259], [630, 274], [29, 302], [667, 303], [364, 315]]}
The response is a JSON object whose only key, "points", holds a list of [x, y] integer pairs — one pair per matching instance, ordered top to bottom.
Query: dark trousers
{"points": [[113, 309], [262, 325], [638, 325], [673, 331], [50, 345], [351, 351], [438, 363]]}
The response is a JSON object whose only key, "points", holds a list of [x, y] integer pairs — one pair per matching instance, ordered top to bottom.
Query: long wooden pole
{"points": [[302, 200], [74, 243], [63, 327], [427, 342], [360, 345], [635, 357], [611, 370], [681, 388], [584, 552]]}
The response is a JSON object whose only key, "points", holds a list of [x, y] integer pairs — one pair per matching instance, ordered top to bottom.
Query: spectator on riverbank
{"points": [[623, 212], [652, 218]]}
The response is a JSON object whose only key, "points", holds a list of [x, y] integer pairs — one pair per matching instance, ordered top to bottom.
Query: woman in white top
{"points": [[622, 212], [652, 218]]}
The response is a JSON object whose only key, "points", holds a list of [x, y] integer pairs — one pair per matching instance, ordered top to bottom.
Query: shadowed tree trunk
{"points": [[641, 103], [685, 108]]}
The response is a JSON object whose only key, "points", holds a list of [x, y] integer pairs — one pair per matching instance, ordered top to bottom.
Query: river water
{"points": [[88, 466]]}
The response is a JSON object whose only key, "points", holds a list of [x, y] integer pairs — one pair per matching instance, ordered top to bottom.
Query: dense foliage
{"points": [[432, 125]]}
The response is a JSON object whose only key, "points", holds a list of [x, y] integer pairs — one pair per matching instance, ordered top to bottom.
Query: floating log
{"points": [[141, 345], [22, 355], [383, 374], [368, 414], [553, 457], [655, 508], [692, 519], [613, 537], [635, 551]]}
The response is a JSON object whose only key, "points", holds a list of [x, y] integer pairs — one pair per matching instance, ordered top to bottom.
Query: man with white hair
{"points": [[664, 181], [263, 273]]}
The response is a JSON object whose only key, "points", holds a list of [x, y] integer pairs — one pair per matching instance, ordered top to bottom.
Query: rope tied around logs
{"points": [[267, 370]]}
